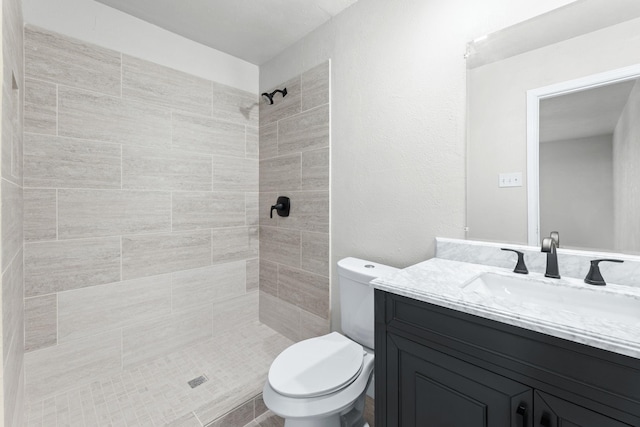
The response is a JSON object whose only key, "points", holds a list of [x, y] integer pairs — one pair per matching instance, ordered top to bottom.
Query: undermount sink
{"points": [[562, 295]]}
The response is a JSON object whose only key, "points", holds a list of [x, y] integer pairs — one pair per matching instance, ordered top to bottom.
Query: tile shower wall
{"points": [[294, 162], [11, 194], [141, 211]]}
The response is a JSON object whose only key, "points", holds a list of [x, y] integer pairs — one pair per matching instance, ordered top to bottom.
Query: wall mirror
{"points": [[548, 101], [583, 161]]}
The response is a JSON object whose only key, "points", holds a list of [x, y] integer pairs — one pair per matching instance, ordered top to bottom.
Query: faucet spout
{"points": [[549, 245]]}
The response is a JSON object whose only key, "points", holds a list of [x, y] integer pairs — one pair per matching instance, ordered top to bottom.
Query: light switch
{"points": [[513, 179]]}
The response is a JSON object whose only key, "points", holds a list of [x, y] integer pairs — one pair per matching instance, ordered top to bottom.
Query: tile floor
{"points": [[157, 394], [267, 419]]}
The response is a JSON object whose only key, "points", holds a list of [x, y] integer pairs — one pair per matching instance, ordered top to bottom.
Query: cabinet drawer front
{"points": [[533, 358]]}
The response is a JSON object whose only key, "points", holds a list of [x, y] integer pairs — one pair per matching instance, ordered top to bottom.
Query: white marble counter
{"points": [[572, 262], [440, 282]]}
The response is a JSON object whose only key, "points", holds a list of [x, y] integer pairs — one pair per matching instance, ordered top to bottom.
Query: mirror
{"points": [[557, 65], [583, 151]]}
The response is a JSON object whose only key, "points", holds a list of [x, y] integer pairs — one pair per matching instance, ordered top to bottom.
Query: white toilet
{"points": [[322, 381]]}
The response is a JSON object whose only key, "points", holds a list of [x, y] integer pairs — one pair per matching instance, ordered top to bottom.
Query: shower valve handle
{"points": [[276, 207], [282, 207]]}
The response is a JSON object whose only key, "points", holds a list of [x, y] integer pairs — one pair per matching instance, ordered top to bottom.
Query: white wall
{"points": [[102, 25], [398, 119], [497, 120], [626, 177], [576, 191]]}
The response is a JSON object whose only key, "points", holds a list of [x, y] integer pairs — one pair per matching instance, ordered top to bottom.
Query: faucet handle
{"points": [[555, 236], [548, 245], [521, 268], [594, 277]]}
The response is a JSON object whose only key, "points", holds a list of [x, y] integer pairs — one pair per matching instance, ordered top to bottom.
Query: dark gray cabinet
{"points": [[443, 368], [440, 390]]}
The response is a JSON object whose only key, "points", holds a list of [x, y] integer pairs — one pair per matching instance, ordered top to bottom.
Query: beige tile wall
{"points": [[294, 162], [141, 211], [11, 212]]}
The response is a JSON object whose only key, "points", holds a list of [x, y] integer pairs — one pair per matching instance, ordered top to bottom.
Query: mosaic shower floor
{"points": [[157, 393]]}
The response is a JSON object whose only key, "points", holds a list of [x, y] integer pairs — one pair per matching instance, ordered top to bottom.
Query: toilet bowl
{"points": [[319, 381], [322, 381]]}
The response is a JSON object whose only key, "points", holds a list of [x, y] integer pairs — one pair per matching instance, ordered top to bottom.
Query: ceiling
{"points": [[253, 30], [585, 113]]}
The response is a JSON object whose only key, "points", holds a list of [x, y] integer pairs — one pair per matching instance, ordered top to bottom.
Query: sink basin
{"points": [[560, 295]]}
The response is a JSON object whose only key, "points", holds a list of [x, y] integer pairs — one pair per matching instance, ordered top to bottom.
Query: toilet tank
{"points": [[356, 297]]}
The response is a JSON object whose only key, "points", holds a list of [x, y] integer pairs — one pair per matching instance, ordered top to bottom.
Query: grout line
{"points": [[121, 73], [51, 82], [82, 89], [57, 111], [213, 118], [171, 124], [75, 138], [151, 147], [211, 160], [121, 167], [212, 173], [8, 181], [132, 190], [57, 220], [246, 223], [155, 233], [121, 274], [171, 288], [213, 317], [57, 321], [121, 349], [114, 399], [90, 402], [197, 418], [84, 420]]}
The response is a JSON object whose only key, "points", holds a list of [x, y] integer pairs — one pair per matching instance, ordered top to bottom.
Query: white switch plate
{"points": [[513, 179]]}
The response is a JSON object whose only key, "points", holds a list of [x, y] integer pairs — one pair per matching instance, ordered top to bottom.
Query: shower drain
{"points": [[197, 381]]}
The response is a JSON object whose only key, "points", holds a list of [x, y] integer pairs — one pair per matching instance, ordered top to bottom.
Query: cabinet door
{"points": [[428, 388], [551, 411]]}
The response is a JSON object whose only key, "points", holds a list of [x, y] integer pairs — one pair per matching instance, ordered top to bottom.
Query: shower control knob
{"points": [[282, 207]]}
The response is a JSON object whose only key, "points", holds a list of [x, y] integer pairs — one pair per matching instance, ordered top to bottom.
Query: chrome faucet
{"points": [[549, 245]]}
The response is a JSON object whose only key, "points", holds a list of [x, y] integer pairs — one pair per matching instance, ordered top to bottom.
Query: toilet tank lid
{"points": [[363, 271]]}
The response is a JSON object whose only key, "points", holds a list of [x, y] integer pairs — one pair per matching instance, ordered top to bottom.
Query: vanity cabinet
{"points": [[443, 368]]}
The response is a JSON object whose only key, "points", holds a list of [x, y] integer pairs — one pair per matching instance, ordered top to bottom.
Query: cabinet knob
{"points": [[522, 414], [545, 420]]}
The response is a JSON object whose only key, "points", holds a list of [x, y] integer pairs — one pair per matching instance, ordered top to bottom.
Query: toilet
{"points": [[323, 381]]}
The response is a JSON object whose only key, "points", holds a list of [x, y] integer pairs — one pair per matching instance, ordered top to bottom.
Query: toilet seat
{"points": [[317, 366], [322, 406]]}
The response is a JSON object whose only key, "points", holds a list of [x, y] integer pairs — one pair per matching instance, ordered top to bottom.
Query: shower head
{"points": [[270, 95]]}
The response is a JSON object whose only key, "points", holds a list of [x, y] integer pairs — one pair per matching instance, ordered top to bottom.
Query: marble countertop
{"points": [[441, 282]]}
